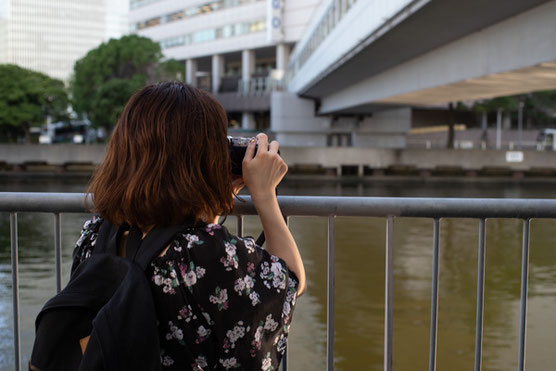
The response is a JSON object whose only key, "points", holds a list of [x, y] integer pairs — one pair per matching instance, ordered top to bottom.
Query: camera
{"points": [[237, 147]]}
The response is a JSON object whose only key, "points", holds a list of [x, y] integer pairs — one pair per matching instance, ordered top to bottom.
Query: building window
{"points": [[205, 8], [214, 34]]}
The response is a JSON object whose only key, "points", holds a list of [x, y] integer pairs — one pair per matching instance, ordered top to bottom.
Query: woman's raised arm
{"points": [[262, 172]]}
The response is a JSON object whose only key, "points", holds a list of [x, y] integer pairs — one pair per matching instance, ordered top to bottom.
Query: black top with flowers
{"points": [[222, 301]]}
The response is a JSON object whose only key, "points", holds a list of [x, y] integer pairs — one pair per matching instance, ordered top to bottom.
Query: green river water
{"points": [[359, 277]]}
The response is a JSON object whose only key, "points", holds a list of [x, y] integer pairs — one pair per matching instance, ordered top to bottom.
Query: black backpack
{"points": [[105, 318]]}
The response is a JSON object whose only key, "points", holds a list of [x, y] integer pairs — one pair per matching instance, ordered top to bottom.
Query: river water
{"points": [[359, 277]]}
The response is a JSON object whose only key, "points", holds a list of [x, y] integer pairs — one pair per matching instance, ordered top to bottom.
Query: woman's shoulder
{"points": [[203, 241]]}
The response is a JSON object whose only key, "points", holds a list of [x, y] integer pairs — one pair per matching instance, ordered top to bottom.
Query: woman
{"points": [[221, 301]]}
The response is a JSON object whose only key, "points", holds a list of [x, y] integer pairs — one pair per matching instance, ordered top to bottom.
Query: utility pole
{"points": [[451, 123], [520, 124], [499, 128]]}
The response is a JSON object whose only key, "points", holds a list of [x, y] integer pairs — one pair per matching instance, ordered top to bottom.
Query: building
{"points": [[49, 36], [238, 49]]}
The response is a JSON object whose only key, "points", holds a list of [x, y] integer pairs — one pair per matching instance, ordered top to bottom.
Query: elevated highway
{"points": [[427, 52], [364, 57]]}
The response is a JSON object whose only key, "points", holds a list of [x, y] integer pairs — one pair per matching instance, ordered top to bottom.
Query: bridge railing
{"points": [[328, 21], [330, 207]]}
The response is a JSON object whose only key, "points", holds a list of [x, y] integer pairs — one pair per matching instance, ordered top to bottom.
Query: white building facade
{"points": [[49, 36], [238, 49]]}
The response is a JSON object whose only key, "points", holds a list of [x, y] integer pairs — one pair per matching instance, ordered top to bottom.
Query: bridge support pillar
{"points": [[282, 56], [217, 71], [191, 72], [248, 121]]}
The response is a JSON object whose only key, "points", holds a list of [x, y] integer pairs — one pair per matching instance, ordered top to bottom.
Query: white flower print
{"points": [[192, 240], [249, 245], [230, 249], [230, 261], [200, 271], [273, 275], [190, 278], [158, 280], [239, 286], [220, 298], [254, 298], [186, 313], [207, 317], [270, 324], [202, 331], [175, 332], [202, 334], [259, 334], [232, 336], [280, 343], [167, 361], [201, 361], [229, 363], [267, 363]]}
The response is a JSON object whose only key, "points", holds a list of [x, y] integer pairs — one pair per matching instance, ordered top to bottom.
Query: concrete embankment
{"points": [[317, 160]]}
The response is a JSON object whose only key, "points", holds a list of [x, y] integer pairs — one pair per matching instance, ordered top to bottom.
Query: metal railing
{"points": [[389, 208]]}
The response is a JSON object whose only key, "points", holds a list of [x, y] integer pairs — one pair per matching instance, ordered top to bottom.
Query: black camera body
{"points": [[237, 147]]}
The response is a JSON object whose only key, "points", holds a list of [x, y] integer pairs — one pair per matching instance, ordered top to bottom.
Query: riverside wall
{"points": [[330, 160]]}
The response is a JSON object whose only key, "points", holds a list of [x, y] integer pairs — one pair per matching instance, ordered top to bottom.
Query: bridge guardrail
{"points": [[330, 207]]}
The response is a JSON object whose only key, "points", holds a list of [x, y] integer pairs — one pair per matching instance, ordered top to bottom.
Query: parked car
{"points": [[546, 140]]}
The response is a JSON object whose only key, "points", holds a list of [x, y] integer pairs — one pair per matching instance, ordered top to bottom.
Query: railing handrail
{"points": [[325, 206], [386, 207]]}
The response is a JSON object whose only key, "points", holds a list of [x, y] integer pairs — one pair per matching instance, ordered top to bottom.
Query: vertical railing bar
{"points": [[239, 220], [58, 250], [524, 286], [15, 288], [388, 290], [434, 296], [480, 296], [330, 297], [285, 358]]}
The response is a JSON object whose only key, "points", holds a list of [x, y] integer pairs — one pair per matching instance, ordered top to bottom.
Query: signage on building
{"points": [[274, 20], [514, 156]]}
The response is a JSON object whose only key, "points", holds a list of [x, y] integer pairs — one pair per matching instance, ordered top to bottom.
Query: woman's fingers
{"points": [[262, 142], [273, 147], [249, 152]]}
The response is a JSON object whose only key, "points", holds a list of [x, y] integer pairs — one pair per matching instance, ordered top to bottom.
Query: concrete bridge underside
{"points": [[443, 51]]}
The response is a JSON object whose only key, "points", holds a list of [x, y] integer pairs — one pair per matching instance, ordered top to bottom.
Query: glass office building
{"points": [[49, 36]]}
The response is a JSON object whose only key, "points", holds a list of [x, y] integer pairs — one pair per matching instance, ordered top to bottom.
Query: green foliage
{"points": [[107, 76], [27, 97], [538, 107]]}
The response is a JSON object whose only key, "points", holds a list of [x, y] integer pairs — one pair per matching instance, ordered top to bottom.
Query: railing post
{"points": [[239, 220], [58, 250], [524, 286], [15, 288], [388, 290], [434, 296], [480, 296], [330, 297], [285, 358]]}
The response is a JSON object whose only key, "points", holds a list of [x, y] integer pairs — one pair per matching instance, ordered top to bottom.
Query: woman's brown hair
{"points": [[167, 159]]}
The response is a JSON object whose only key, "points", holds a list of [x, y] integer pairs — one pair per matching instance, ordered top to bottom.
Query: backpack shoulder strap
{"points": [[108, 237], [155, 241]]}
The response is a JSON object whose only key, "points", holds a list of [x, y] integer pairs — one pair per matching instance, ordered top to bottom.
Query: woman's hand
{"points": [[263, 171]]}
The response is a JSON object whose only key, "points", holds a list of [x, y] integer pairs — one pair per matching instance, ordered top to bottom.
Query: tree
{"points": [[107, 76], [27, 98]]}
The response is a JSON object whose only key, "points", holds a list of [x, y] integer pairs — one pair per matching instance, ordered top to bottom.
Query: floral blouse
{"points": [[222, 301]]}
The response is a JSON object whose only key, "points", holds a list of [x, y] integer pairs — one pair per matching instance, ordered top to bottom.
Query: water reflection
{"points": [[359, 280]]}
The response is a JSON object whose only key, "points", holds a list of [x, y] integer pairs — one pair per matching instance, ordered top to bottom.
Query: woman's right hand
{"points": [[263, 171]]}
